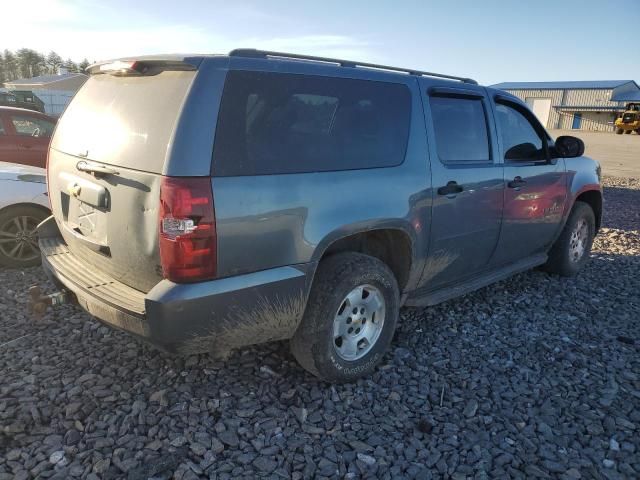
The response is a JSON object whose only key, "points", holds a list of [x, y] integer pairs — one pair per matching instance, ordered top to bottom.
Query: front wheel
{"points": [[619, 131], [627, 132], [571, 250], [350, 318]]}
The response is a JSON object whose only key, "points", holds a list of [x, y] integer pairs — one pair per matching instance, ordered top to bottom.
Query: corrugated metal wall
{"points": [[554, 95], [55, 101], [591, 120], [596, 121]]}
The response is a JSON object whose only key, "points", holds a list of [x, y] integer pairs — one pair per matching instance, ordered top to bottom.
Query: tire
{"points": [[619, 131], [638, 131], [627, 132], [20, 220], [564, 257], [322, 341]]}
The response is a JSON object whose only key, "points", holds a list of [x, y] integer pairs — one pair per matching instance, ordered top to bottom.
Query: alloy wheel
{"points": [[19, 240], [578, 241], [358, 322]]}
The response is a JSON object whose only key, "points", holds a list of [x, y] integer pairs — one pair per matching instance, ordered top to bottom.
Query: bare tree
{"points": [[54, 61], [30, 62], [27, 63], [10, 66], [71, 66], [82, 66], [3, 75]]}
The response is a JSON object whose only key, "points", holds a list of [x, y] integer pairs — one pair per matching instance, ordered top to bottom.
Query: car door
{"points": [[32, 138], [6, 147], [467, 182], [535, 185]]}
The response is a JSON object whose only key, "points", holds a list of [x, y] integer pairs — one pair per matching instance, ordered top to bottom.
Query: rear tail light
{"points": [[187, 229]]}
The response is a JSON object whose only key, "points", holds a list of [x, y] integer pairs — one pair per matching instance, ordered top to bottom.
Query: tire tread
{"points": [[558, 261], [306, 344]]}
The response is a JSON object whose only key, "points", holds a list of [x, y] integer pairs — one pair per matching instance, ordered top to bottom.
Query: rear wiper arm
{"points": [[95, 169]]}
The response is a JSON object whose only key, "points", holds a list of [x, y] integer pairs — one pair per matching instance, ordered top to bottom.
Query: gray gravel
{"points": [[536, 376]]}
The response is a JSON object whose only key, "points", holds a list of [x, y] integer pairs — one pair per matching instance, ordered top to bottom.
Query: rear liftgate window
{"points": [[124, 120], [273, 123]]}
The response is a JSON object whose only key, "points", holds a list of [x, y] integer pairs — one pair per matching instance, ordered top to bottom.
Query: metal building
{"points": [[56, 91], [579, 105]]}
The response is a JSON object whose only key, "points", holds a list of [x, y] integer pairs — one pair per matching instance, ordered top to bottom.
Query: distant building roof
{"points": [[44, 79], [590, 84], [626, 96], [588, 108]]}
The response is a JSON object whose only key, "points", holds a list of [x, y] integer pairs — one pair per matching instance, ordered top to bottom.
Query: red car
{"points": [[24, 136]]}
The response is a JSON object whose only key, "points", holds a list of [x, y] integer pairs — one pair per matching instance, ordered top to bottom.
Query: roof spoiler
{"points": [[142, 66]]}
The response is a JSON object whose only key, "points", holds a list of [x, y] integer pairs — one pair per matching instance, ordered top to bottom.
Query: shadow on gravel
{"points": [[621, 208]]}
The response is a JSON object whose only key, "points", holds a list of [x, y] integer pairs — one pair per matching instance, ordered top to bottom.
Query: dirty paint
{"points": [[437, 263], [268, 319]]}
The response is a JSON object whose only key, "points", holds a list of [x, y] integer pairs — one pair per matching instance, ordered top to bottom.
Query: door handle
{"points": [[95, 168], [517, 183], [451, 188]]}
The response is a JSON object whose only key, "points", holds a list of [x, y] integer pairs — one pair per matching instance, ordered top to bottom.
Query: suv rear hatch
{"points": [[106, 162]]}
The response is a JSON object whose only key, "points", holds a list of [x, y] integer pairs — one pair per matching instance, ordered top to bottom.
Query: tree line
{"points": [[27, 63]]}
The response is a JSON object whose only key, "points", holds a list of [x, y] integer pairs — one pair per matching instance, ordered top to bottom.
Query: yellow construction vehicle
{"points": [[629, 120]]}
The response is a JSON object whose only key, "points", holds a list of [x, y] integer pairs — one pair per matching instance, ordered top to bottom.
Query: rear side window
{"points": [[271, 123], [26, 126], [461, 129]]}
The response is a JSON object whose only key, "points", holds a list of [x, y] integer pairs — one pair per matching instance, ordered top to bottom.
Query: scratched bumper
{"points": [[213, 316]]}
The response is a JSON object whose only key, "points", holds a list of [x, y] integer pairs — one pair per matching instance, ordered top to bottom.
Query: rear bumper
{"points": [[212, 316]]}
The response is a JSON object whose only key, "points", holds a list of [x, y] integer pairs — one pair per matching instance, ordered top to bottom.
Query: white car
{"points": [[23, 205]]}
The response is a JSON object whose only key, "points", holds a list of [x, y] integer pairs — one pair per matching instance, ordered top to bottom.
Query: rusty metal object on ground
{"points": [[38, 303]]}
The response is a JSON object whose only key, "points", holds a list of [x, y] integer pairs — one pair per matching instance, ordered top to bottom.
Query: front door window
{"points": [[520, 140]]}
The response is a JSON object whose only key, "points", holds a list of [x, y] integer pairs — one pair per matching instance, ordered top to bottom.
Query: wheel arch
{"points": [[593, 198], [42, 208], [394, 246]]}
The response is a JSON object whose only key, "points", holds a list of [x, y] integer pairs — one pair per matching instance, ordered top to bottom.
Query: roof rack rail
{"points": [[253, 53]]}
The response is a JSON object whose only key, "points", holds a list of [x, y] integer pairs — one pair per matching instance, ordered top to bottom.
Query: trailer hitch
{"points": [[38, 303]]}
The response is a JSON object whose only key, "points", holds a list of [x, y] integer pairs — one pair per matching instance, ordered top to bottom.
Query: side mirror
{"points": [[568, 147]]}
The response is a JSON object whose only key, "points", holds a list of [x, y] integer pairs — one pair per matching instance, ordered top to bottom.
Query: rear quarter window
{"points": [[273, 123], [28, 126]]}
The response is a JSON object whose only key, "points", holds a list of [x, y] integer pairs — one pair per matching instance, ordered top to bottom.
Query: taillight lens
{"points": [[187, 229]]}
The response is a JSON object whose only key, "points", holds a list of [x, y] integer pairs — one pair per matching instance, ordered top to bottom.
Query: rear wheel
{"points": [[619, 131], [638, 131], [627, 132], [18, 236], [571, 250], [350, 318]]}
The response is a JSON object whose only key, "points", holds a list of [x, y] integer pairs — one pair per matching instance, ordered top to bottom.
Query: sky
{"points": [[489, 40]]}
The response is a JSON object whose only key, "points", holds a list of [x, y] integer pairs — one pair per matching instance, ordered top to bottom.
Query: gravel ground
{"points": [[536, 376]]}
